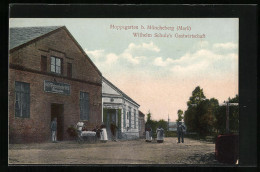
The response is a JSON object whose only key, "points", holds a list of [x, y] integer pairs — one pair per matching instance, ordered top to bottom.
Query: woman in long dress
{"points": [[160, 133], [103, 134], [148, 136]]}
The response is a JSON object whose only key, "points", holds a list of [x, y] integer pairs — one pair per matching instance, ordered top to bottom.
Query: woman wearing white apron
{"points": [[159, 132], [103, 134], [148, 135]]}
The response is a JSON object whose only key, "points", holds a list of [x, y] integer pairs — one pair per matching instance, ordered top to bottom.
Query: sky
{"points": [[159, 73]]}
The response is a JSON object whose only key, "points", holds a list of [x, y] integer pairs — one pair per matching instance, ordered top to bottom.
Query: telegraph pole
{"points": [[227, 114], [227, 117]]}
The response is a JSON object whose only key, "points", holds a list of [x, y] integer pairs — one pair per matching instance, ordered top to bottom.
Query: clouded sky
{"points": [[159, 73]]}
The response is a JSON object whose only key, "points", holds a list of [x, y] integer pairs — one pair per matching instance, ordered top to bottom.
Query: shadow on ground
{"points": [[208, 158]]}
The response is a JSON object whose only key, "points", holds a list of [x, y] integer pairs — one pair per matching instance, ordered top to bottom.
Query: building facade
{"points": [[50, 76], [120, 109], [141, 127]]}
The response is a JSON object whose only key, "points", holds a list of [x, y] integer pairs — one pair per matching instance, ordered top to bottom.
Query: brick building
{"points": [[50, 76]]}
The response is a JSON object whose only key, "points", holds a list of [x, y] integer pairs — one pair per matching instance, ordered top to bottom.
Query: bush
{"points": [[72, 131], [170, 134]]}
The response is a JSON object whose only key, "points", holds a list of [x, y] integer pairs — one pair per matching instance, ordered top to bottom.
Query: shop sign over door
{"points": [[56, 87]]}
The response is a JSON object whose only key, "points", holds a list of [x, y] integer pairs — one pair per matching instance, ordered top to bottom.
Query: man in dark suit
{"points": [[180, 131]]}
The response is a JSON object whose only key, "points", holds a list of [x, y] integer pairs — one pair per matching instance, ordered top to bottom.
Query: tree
{"points": [[197, 97], [180, 115], [200, 115], [149, 116], [220, 116], [190, 119], [150, 123], [155, 124], [163, 124]]}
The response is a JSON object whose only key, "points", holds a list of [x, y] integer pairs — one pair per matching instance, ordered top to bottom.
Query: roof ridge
{"points": [[36, 26], [120, 91]]}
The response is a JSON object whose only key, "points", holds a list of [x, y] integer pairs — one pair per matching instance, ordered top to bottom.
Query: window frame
{"points": [[69, 65], [44, 67], [55, 71], [26, 95], [80, 107], [124, 117], [130, 118], [134, 119]]}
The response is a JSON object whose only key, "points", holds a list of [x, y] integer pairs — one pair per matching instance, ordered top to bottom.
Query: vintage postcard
{"points": [[123, 91]]}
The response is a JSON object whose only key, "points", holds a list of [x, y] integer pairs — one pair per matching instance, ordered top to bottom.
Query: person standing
{"points": [[113, 128], [54, 130], [180, 130], [160, 133], [103, 136], [149, 136]]}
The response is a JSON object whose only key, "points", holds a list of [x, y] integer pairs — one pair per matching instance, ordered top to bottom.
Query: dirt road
{"points": [[120, 152]]}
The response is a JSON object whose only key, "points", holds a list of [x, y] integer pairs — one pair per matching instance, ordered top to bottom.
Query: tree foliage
{"points": [[197, 97], [180, 115], [200, 115], [205, 116], [220, 123], [155, 124]]}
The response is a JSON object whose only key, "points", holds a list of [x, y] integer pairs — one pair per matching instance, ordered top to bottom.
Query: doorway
{"points": [[57, 112], [111, 118]]}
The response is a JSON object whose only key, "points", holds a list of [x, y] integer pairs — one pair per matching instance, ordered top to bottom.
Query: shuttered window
{"points": [[44, 63], [56, 65], [69, 70], [22, 99], [84, 106], [134, 118], [124, 120], [130, 122]]}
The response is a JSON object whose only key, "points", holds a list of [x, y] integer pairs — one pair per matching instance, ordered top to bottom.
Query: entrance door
{"points": [[57, 112], [111, 118]]}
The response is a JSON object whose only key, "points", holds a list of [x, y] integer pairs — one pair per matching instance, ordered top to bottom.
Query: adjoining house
{"points": [[50, 76], [120, 109], [141, 122], [173, 126]]}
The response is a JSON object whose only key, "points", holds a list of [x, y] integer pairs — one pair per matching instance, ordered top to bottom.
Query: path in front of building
{"points": [[121, 152]]}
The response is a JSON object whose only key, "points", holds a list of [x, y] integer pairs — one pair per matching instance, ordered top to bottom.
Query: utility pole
{"points": [[227, 114], [227, 117]]}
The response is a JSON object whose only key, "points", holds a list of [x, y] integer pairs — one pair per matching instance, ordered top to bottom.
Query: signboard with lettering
{"points": [[56, 87]]}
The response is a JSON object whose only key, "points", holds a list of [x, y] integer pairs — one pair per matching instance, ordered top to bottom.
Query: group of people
{"points": [[99, 132], [102, 133], [160, 133]]}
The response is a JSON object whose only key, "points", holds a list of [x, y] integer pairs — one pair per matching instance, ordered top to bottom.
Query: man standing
{"points": [[53, 130], [180, 130]]}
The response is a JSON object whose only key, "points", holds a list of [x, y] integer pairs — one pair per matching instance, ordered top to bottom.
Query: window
{"points": [[44, 63], [56, 65], [69, 70], [22, 99], [84, 106], [134, 118], [124, 120], [130, 122], [139, 125]]}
